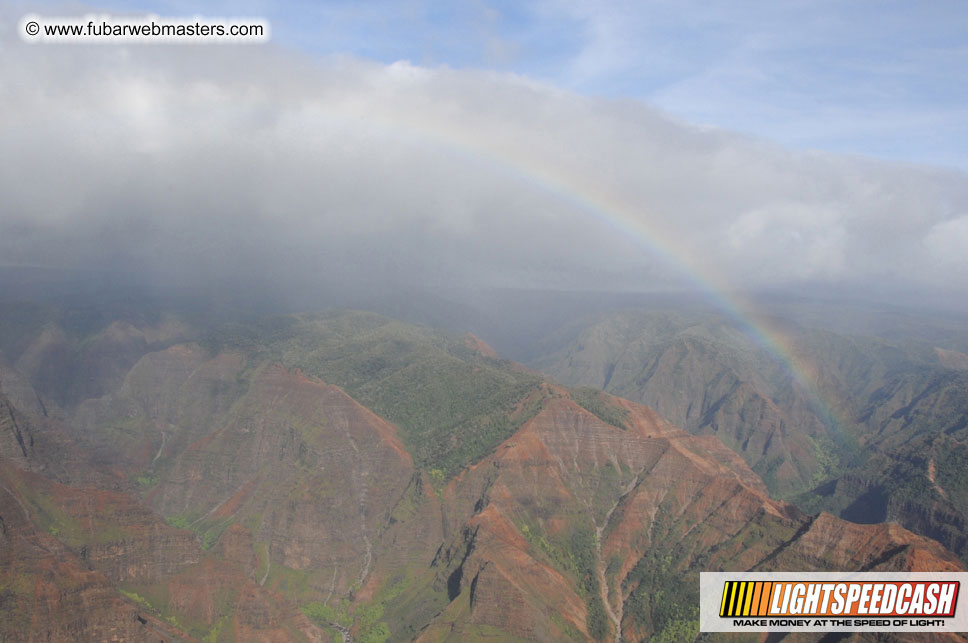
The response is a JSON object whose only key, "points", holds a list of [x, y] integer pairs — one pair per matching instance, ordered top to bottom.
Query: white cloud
{"points": [[193, 163], [792, 241], [946, 245]]}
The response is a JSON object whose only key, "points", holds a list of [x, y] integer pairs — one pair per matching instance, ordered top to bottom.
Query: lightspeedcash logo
{"points": [[868, 598], [872, 601]]}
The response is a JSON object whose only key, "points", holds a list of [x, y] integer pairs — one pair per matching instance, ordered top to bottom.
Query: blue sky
{"points": [[883, 78]]}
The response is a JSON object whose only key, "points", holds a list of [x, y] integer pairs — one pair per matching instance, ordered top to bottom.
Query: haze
{"points": [[195, 167]]}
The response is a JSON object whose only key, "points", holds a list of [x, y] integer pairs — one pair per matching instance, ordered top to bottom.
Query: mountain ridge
{"points": [[251, 498]]}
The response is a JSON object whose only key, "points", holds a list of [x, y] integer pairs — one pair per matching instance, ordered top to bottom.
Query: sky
{"points": [[884, 78], [630, 146]]}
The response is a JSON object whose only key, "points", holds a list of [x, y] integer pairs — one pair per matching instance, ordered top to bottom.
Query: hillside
{"points": [[890, 450], [343, 474]]}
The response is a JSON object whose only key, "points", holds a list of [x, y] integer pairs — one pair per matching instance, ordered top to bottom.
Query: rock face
{"points": [[476, 343], [952, 359], [65, 372], [704, 375], [15, 386], [16, 438], [889, 451], [316, 472], [914, 473], [313, 474], [301, 488], [228, 494], [581, 529], [112, 531], [49, 593]]}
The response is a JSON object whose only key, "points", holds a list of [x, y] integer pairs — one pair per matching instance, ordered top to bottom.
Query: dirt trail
{"points": [[164, 438], [364, 474], [932, 476], [268, 567], [615, 614]]}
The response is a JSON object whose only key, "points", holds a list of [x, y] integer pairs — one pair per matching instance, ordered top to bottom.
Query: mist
{"points": [[202, 168]]}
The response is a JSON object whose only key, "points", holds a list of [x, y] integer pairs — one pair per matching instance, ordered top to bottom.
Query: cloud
{"points": [[192, 165], [945, 243]]}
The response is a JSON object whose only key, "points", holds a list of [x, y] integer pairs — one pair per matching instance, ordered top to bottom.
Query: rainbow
{"points": [[628, 220], [630, 223]]}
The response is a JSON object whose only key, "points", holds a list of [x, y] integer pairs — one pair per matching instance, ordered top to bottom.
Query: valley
{"points": [[345, 476]]}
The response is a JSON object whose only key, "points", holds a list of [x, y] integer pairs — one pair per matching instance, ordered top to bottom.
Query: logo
{"points": [[818, 599], [833, 602]]}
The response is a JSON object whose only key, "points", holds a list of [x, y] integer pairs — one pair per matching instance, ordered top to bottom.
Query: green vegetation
{"points": [[257, 334], [452, 404], [598, 404], [828, 462], [766, 468], [951, 472], [146, 481], [607, 487], [48, 516], [180, 521], [208, 531], [210, 538], [584, 551], [558, 555], [578, 556], [613, 567], [293, 583], [13, 584], [660, 593], [137, 598], [410, 598], [661, 598], [158, 599], [323, 614], [372, 620], [597, 621], [371, 628], [678, 631], [215, 632]]}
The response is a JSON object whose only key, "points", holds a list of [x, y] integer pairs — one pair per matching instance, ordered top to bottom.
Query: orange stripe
{"points": [[757, 589], [765, 604]]}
